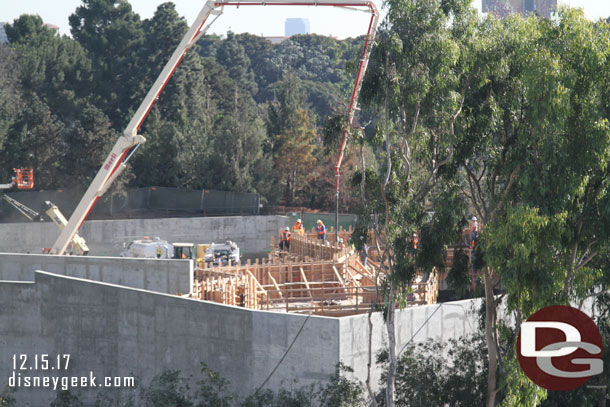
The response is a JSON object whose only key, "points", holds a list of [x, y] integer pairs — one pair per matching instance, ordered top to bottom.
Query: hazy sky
{"points": [[268, 20]]}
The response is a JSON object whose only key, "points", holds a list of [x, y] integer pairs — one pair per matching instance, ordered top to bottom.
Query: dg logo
{"points": [[560, 348]]}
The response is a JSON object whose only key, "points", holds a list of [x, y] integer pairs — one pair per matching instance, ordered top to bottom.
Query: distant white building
{"points": [[294, 26], [3, 37], [276, 39]]}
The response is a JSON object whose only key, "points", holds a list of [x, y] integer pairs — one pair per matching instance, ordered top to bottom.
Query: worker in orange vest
{"points": [[298, 228], [321, 229], [474, 232], [285, 239], [415, 240]]}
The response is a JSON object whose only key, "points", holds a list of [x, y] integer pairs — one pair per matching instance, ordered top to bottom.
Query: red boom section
{"points": [[354, 98]]}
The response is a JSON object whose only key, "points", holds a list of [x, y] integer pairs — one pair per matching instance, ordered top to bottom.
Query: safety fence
{"points": [[140, 202]]}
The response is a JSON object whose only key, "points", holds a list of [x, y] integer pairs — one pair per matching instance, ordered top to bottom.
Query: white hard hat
{"points": [[474, 218], [299, 220], [319, 221], [287, 228], [414, 234]]}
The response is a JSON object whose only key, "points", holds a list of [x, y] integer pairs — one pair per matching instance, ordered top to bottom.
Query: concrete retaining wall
{"points": [[106, 237], [163, 276], [438, 321], [116, 331]]}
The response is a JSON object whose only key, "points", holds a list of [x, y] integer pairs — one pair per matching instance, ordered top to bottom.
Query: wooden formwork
{"points": [[304, 246], [313, 277], [301, 287], [231, 290]]}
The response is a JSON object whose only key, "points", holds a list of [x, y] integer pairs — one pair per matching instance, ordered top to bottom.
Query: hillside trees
{"points": [[112, 34], [10, 99], [207, 130], [59, 132], [293, 141]]}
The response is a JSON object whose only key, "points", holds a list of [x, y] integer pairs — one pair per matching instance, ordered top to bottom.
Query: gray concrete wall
{"points": [[106, 237], [163, 276], [417, 324], [111, 330], [116, 331]]}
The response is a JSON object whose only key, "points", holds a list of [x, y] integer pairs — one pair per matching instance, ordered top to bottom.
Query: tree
{"points": [[112, 34], [232, 56], [416, 84], [10, 96], [59, 132], [293, 137], [548, 242], [441, 374]]}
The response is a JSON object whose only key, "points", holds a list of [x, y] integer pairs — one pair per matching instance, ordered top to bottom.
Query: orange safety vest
{"points": [[298, 228], [474, 228], [321, 229], [286, 236], [415, 241]]}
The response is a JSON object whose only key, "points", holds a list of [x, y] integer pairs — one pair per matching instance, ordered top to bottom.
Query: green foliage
{"points": [[64, 101], [441, 374], [167, 389], [213, 390], [341, 391], [6, 397], [65, 398]]}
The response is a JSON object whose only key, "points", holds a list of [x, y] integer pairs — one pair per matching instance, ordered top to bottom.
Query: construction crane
{"points": [[129, 142]]}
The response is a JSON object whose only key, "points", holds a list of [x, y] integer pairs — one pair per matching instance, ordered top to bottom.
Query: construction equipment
{"points": [[128, 143], [24, 179], [26, 211], [78, 245], [156, 248], [222, 254]]}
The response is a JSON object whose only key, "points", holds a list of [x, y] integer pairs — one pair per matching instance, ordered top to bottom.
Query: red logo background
{"points": [[588, 332]]}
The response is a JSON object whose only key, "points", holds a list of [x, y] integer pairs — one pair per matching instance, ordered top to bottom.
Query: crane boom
{"points": [[116, 160]]}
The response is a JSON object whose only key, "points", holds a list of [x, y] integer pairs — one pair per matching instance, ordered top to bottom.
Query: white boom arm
{"points": [[130, 140]]}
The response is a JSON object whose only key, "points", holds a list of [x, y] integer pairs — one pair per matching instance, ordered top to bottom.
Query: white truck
{"points": [[156, 248], [222, 254]]}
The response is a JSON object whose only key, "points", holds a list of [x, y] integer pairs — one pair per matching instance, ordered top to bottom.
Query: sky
{"points": [[263, 20]]}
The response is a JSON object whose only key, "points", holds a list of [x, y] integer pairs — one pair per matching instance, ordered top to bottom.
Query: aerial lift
{"points": [[129, 142], [24, 179]]}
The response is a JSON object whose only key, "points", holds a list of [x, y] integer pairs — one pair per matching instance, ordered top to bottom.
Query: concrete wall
{"points": [[106, 237], [163, 276], [417, 324], [111, 330], [116, 331]]}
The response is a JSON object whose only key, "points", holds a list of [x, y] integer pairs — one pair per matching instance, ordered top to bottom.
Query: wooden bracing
{"points": [[318, 277]]}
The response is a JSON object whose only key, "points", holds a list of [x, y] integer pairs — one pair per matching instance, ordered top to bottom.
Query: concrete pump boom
{"points": [[126, 145]]}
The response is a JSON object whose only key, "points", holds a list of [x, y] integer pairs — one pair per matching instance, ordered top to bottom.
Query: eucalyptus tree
{"points": [[418, 77], [549, 243]]}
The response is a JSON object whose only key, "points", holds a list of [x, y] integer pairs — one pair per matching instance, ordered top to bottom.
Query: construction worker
{"points": [[298, 228], [321, 229], [474, 231], [285, 239], [415, 240], [364, 254]]}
